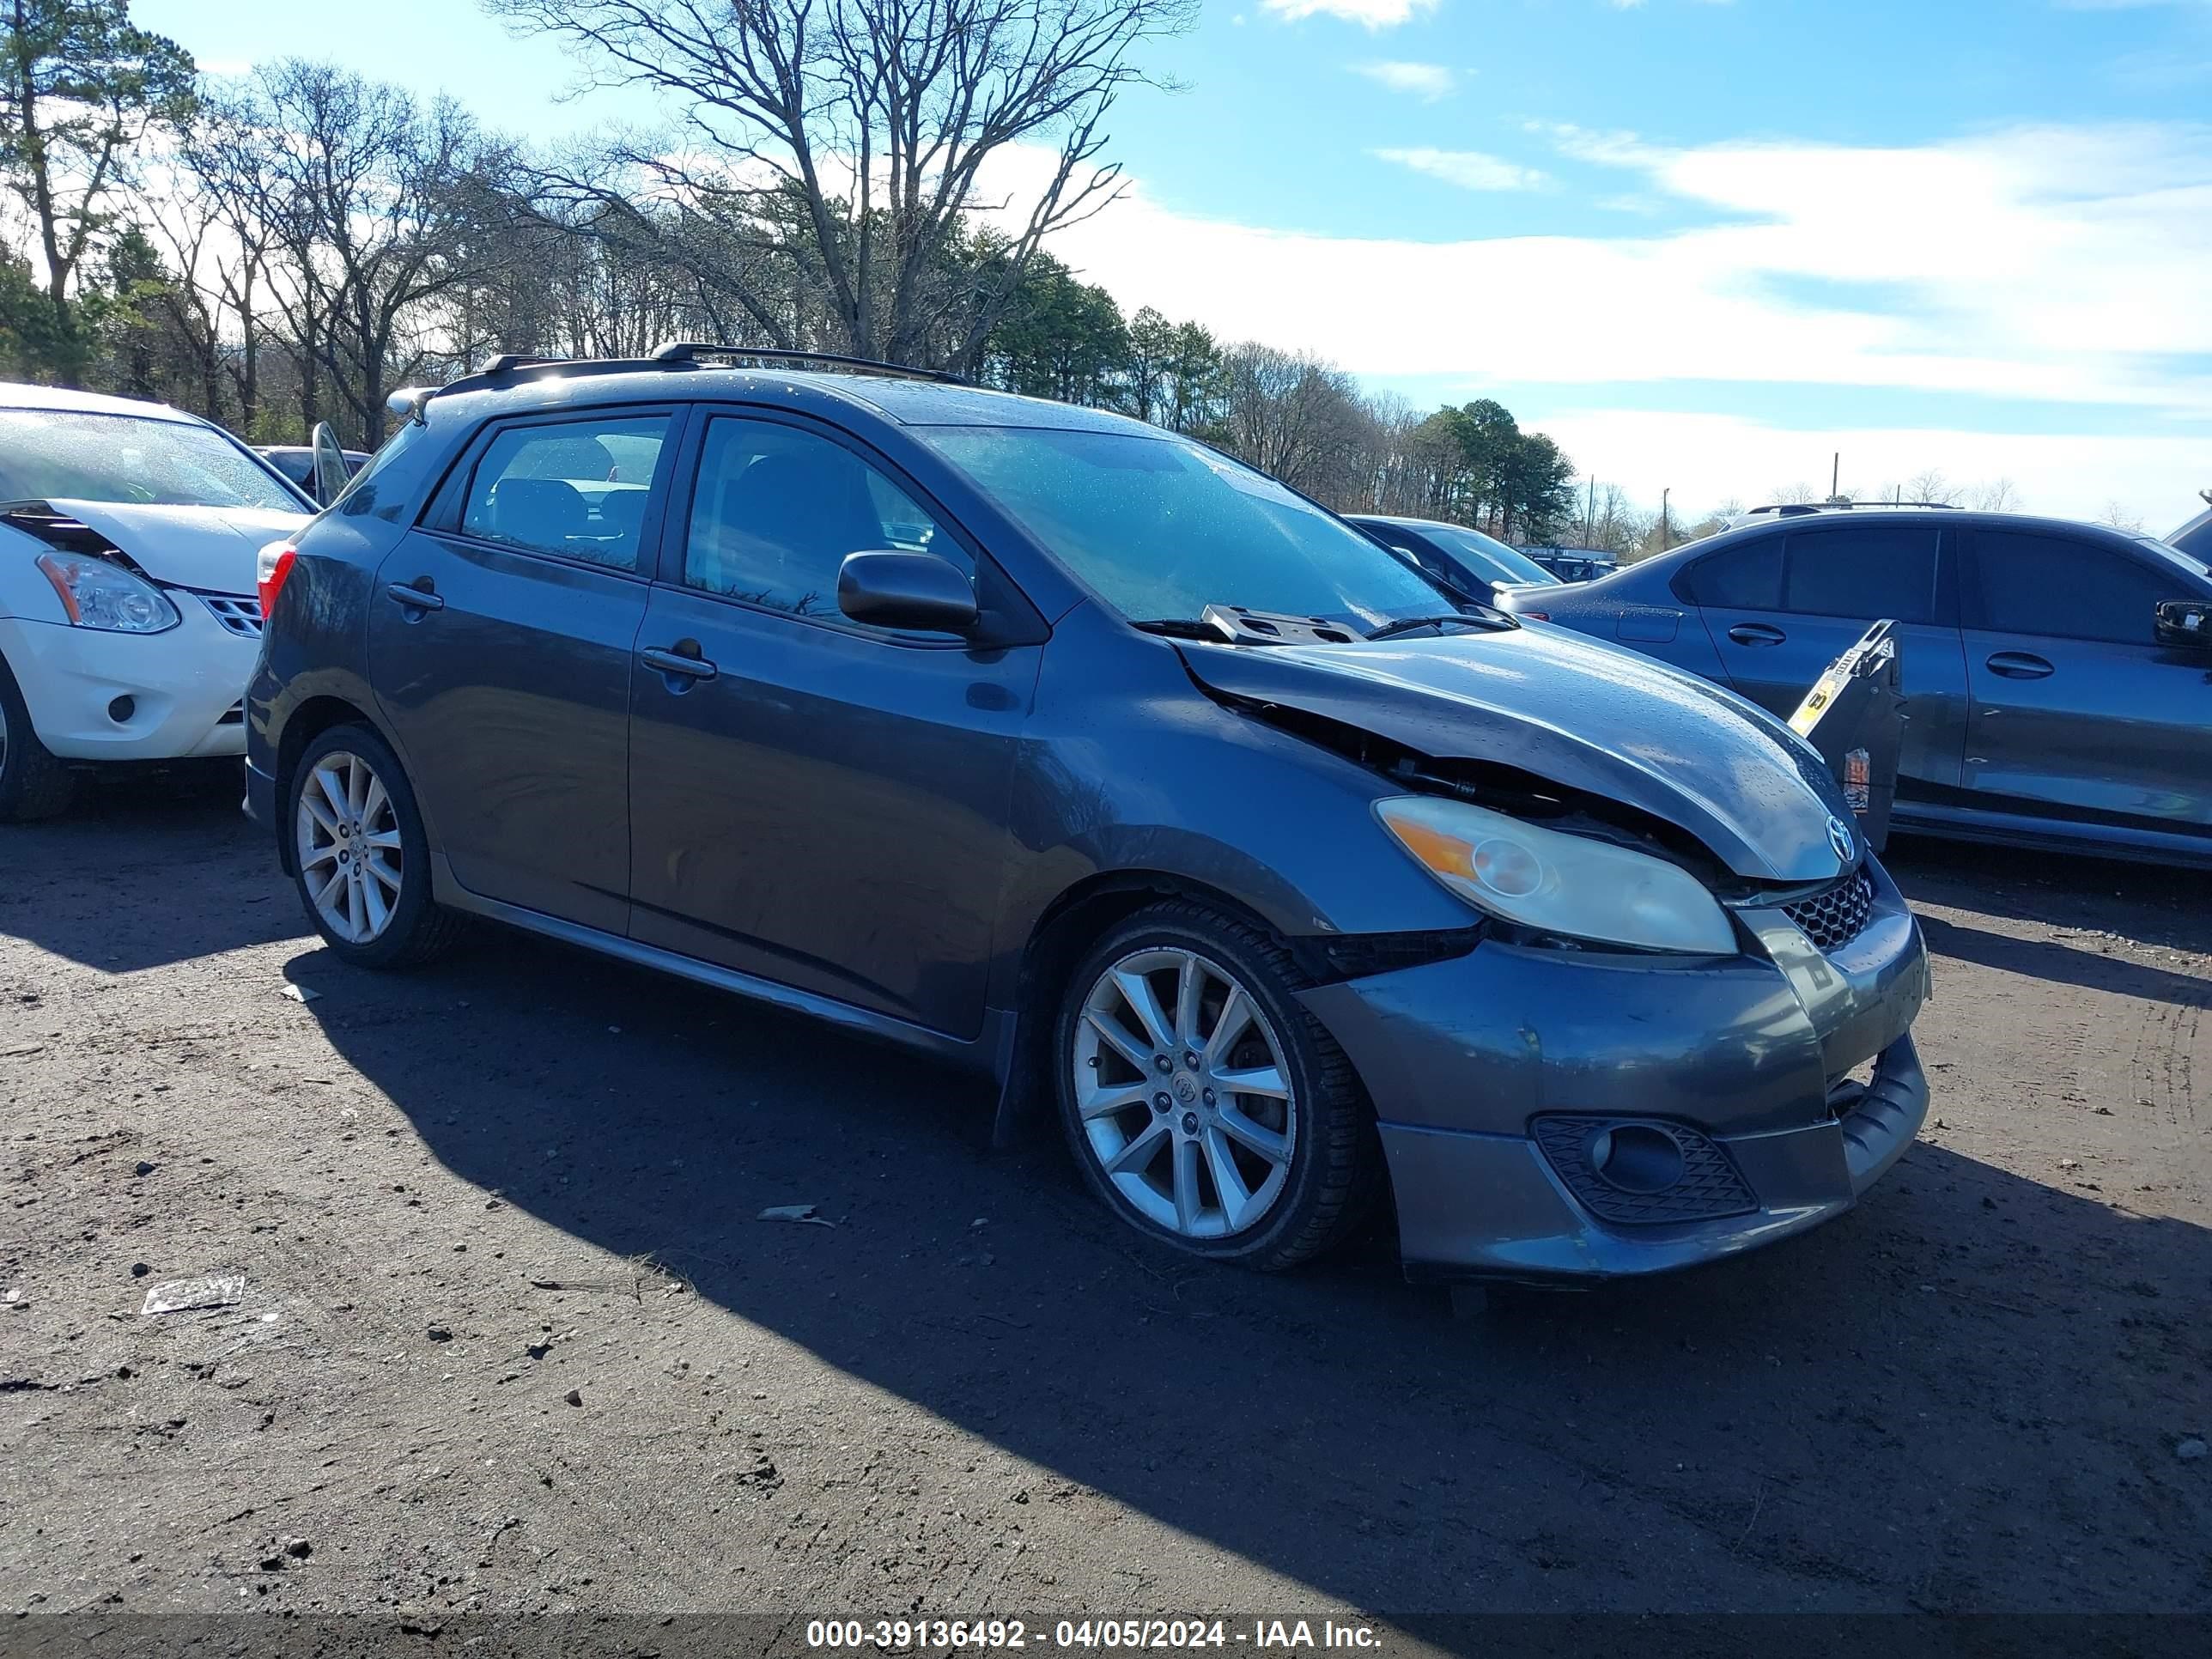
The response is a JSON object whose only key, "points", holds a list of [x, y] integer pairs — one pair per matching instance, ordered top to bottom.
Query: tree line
{"points": [[293, 245]]}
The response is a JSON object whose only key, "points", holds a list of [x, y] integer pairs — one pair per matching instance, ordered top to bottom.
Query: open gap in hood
{"points": [[43, 521], [1504, 788]]}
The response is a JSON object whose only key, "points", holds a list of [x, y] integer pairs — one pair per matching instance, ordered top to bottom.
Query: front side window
{"points": [[53, 455], [575, 488], [778, 509], [1161, 528], [1867, 572], [2050, 586]]}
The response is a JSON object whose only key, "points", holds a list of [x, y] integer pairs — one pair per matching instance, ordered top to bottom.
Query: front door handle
{"points": [[417, 596], [1756, 633], [677, 662], [2020, 666]]}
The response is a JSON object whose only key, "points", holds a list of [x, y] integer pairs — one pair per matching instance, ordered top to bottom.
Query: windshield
{"points": [[58, 455], [1162, 527], [1487, 556]]}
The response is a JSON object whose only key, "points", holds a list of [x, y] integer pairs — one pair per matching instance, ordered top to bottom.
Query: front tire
{"points": [[33, 783], [361, 853], [1203, 1103]]}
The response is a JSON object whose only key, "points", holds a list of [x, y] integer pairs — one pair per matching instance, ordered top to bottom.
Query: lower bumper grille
{"points": [[1641, 1171]]}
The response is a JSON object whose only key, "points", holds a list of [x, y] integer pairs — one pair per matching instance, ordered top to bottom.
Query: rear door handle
{"points": [[415, 599], [1756, 633], [678, 663], [2020, 666]]}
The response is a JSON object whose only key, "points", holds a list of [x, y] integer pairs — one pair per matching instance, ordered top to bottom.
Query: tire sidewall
{"points": [[33, 783], [414, 913], [1292, 1026]]}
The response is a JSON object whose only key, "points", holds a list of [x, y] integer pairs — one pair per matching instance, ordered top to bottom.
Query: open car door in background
{"points": [[1855, 717]]}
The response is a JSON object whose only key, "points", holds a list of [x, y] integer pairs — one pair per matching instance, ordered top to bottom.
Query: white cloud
{"points": [[1370, 13], [1428, 81], [1470, 169], [2048, 264], [1709, 458]]}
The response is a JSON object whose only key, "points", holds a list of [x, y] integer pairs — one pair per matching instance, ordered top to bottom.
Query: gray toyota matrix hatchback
{"points": [[1041, 739]]}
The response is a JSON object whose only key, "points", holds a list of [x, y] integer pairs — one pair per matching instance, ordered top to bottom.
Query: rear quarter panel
{"points": [[1635, 609], [316, 644]]}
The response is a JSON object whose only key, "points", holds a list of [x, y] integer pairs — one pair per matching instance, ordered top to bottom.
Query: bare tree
{"points": [[843, 143], [380, 205], [1297, 418], [1930, 485], [1998, 495], [2117, 515]]}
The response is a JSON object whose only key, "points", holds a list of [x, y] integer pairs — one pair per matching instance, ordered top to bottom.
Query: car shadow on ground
{"points": [[131, 836], [2156, 904], [2063, 963], [1965, 1394]]}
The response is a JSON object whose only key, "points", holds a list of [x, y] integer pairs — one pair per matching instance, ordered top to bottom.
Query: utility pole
{"points": [[1663, 495]]}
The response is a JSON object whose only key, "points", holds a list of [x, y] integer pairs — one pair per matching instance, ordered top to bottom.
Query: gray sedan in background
{"points": [[2057, 675]]}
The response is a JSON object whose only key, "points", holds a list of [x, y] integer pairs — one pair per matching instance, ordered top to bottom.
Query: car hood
{"points": [[212, 547], [1578, 714]]}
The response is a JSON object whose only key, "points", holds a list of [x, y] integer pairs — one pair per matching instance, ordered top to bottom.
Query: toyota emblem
{"points": [[1839, 837]]}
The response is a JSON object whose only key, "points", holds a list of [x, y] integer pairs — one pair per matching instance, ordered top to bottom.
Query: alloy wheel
{"points": [[352, 862], [1183, 1092]]}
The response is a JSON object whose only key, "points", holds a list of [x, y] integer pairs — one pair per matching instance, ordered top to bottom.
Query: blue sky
{"points": [[1704, 244]]}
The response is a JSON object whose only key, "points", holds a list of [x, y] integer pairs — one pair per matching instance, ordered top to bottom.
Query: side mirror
{"points": [[330, 474], [915, 592], [2185, 623]]}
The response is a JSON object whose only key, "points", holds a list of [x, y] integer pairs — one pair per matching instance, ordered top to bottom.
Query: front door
{"points": [[1782, 606], [500, 642], [2077, 706], [814, 801]]}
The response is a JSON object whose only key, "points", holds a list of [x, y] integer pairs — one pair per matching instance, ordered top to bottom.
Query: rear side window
{"points": [[577, 489], [777, 510], [1863, 573], [1745, 577], [2058, 588]]}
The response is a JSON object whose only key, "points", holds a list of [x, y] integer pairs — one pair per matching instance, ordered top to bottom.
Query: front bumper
{"points": [[184, 686], [1467, 1059]]}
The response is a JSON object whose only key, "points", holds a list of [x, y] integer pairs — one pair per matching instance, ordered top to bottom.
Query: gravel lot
{"points": [[511, 1338]]}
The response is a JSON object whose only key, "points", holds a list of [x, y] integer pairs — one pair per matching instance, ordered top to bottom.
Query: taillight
{"points": [[270, 569], [1533, 615]]}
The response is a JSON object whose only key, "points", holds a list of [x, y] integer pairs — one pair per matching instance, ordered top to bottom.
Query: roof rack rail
{"points": [[690, 351], [507, 361], [1797, 509]]}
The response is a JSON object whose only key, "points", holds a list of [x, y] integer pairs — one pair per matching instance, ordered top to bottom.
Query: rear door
{"points": [[1782, 606], [501, 644], [2077, 708], [816, 801]]}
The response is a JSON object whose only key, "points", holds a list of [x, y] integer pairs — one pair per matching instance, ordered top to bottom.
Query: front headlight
{"points": [[98, 594], [1555, 882]]}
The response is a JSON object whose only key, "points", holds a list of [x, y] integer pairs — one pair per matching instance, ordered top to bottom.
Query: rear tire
{"points": [[33, 783], [361, 855], [1265, 1175]]}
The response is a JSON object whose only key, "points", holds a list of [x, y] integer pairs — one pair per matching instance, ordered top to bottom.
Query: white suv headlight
{"points": [[98, 594], [1558, 884]]}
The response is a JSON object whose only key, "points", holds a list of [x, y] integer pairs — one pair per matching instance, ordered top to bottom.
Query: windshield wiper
{"points": [[1493, 620], [1179, 628]]}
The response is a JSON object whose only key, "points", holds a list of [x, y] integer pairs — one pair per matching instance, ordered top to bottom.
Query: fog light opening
{"points": [[122, 710], [1636, 1158]]}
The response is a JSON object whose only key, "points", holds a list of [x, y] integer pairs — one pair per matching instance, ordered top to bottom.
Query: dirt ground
{"points": [[511, 1337]]}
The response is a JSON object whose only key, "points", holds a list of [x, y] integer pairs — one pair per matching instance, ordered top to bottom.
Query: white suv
{"points": [[129, 618]]}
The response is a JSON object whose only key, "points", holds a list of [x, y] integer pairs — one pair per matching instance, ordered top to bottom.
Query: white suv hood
{"points": [[211, 548]]}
